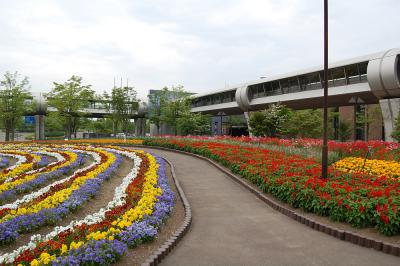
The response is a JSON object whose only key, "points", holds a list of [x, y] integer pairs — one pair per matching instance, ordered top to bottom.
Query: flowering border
{"points": [[344, 235], [168, 246]]}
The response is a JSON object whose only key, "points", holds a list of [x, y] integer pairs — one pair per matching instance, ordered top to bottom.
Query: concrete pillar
{"points": [[390, 111], [247, 117], [140, 126], [39, 127], [154, 131]]}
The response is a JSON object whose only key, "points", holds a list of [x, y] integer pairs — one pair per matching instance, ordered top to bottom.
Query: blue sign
{"points": [[29, 120]]}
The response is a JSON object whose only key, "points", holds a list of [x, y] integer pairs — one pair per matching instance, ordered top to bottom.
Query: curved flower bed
{"points": [[65, 159], [4, 161], [25, 163], [37, 179], [358, 199], [52, 203], [140, 205]]}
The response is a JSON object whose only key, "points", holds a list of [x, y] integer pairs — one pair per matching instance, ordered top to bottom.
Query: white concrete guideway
{"points": [[374, 78]]}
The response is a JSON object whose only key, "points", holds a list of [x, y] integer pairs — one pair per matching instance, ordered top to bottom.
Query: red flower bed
{"points": [[378, 149], [361, 200]]}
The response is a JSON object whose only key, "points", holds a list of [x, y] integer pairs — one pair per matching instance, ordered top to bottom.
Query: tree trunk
{"points": [[12, 131], [7, 134]]}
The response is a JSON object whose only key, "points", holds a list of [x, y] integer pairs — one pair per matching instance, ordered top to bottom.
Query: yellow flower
{"points": [[390, 169], [74, 245], [64, 248], [46, 258], [34, 262]]}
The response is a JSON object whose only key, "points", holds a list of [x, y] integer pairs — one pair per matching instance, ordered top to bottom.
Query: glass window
{"points": [[398, 68], [363, 71], [353, 75], [338, 76], [314, 82], [284, 85], [294, 85]]}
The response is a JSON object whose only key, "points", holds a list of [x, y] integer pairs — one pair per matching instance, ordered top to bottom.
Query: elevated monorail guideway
{"points": [[374, 78], [94, 109]]}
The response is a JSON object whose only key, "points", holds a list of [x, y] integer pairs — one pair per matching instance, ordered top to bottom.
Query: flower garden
{"points": [[44, 185], [362, 189]]}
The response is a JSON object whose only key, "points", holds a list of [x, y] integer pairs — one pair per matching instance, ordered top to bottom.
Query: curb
{"points": [[344, 235], [168, 246]]}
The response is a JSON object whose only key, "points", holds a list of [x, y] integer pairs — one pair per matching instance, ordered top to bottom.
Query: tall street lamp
{"points": [[325, 125]]}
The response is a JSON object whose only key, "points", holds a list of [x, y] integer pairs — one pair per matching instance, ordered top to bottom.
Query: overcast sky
{"points": [[203, 45]]}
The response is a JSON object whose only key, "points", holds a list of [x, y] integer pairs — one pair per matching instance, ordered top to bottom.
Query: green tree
{"points": [[13, 95], [69, 98], [158, 101], [178, 103], [123, 104], [237, 120], [270, 122], [257, 123], [193, 124], [304, 124], [53, 125], [345, 130], [396, 131]]}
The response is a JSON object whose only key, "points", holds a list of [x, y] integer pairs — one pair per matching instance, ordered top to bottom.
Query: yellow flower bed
{"points": [[108, 141], [389, 169]]}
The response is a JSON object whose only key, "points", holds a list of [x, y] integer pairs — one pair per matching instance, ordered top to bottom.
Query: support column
{"points": [[390, 111], [247, 117], [140, 126], [39, 127], [154, 130]]}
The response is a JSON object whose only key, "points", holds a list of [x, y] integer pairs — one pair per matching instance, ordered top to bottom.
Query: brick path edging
{"points": [[344, 235], [166, 248]]}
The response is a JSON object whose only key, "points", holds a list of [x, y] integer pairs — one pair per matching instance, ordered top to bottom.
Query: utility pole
{"points": [[325, 125]]}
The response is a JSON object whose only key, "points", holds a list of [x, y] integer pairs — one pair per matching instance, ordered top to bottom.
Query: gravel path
{"points": [[233, 227]]}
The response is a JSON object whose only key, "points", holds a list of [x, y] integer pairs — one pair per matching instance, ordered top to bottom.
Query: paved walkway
{"points": [[233, 227]]}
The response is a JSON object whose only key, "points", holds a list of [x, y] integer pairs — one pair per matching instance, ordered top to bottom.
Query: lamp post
{"points": [[325, 124]]}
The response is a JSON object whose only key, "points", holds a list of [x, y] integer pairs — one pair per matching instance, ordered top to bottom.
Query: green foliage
{"points": [[13, 95], [69, 98], [158, 101], [123, 104], [177, 105], [169, 106], [237, 120], [270, 122], [52, 123], [194, 124], [258, 124], [305, 124], [345, 130], [396, 131]]}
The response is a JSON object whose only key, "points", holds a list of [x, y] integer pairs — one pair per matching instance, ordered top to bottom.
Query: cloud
{"points": [[200, 44]]}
